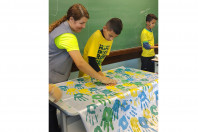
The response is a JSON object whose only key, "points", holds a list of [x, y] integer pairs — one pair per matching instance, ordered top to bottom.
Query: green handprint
{"points": [[138, 72], [109, 73], [117, 76], [144, 79], [125, 81], [99, 83], [138, 83], [120, 87], [92, 90], [108, 92], [80, 97], [100, 99], [91, 113], [107, 118], [98, 129]]}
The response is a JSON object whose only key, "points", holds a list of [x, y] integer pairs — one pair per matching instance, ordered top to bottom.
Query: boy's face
{"points": [[151, 24], [109, 35]]}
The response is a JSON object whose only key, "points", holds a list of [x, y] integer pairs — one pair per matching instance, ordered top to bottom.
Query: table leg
{"points": [[63, 122]]}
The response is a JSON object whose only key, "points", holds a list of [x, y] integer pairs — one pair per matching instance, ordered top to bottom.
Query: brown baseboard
{"points": [[120, 55]]}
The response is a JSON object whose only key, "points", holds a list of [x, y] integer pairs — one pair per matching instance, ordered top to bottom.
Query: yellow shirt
{"points": [[147, 36], [67, 41], [98, 47]]}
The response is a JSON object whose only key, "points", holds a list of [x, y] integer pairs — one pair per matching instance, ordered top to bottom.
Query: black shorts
{"points": [[147, 64]]}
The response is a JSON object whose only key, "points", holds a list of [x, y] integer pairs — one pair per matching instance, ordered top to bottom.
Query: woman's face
{"points": [[78, 25]]}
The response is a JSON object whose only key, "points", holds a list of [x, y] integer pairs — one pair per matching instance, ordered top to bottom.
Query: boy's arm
{"points": [[146, 45], [153, 47], [94, 65]]}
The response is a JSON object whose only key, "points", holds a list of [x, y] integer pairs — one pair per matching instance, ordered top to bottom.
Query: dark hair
{"points": [[77, 11], [150, 17], [115, 24]]}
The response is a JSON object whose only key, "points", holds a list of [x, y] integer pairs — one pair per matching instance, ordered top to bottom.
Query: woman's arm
{"points": [[86, 68], [55, 92]]}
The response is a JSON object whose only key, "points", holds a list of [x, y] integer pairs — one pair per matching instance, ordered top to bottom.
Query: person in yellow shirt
{"points": [[147, 42], [99, 45]]}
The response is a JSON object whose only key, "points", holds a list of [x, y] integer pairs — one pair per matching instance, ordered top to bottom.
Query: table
{"points": [[156, 63], [129, 106]]}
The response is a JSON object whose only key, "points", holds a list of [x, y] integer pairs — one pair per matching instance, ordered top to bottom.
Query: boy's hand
{"points": [[107, 80], [55, 92]]}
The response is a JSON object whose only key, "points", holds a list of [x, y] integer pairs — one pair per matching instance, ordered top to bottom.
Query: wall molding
{"points": [[120, 55]]}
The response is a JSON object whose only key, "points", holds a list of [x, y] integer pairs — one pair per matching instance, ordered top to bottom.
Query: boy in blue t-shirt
{"points": [[147, 42]]}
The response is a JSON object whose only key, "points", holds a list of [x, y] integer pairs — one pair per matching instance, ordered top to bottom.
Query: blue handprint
{"points": [[128, 69], [119, 70], [126, 75], [148, 75], [109, 77], [130, 79], [80, 80], [79, 86], [64, 88], [156, 96], [80, 97], [143, 100], [125, 106], [115, 108], [133, 111], [91, 113], [107, 118], [123, 123], [144, 123]]}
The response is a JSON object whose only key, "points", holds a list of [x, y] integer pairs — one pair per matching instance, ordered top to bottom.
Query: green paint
{"points": [[138, 72], [109, 73], [117, 76], [144, 79], [125, 81], [98, 83], [138, 83], [120, 87], [80, 97], [100, 99], [152, 108], [91, 113], [107, 118], [98, 129]]}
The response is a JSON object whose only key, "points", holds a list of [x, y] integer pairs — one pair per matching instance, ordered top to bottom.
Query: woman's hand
{"points": [[55, 92]]}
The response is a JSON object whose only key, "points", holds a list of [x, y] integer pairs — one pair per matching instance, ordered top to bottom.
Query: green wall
{"points": [[131, 12]]}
